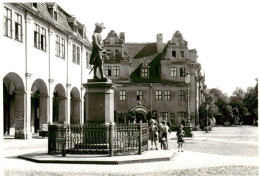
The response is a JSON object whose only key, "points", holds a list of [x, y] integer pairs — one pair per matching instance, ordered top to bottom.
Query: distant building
{"points": [[45, 61], [150, 79]]}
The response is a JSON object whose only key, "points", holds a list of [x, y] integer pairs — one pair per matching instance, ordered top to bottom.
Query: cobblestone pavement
{"points": [[223, 151]]}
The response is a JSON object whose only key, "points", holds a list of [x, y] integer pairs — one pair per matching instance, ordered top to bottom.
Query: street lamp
{"points": [[187, 80], [207, 107], [189, 126]]}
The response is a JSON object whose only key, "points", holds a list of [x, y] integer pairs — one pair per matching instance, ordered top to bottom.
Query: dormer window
{"points": [[34, 5], [52, 8], [55, 15], [73, 24], [145, 70], [145, 73]]}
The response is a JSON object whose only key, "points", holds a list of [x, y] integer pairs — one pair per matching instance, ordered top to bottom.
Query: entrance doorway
{"points": [[36, 110]]}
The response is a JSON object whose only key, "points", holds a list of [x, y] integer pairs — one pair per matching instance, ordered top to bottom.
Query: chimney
{"points": [[122, 36], [159, 42]]}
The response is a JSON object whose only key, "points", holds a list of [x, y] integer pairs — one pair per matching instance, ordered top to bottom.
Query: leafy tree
{"points": [[227, 112]]}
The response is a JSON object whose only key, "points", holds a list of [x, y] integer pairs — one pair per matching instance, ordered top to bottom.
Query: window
{"points": [[34, 5], [55, 16], [7, 22], [18, 27], [36, 35], [39, 37], [43, 39], [57, 46], [60, 47], [63, 48], [108, 52], [117, 52], [74, 53], [173, 53], [182, 54], [78, 55], [116, 70], [108, 71], [173, 72], [182, 72], [145, 73], [122, 95], [139, 95], [158, 95], [167, 95], [182, 95], [165, 116], [181, 116], [172, 118]]}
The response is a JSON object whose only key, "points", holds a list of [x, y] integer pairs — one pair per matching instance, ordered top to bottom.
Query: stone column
{"points": [[100, 101], [44, 110], [62, 110], [20, 119]]}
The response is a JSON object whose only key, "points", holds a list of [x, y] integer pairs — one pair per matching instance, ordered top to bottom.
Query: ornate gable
{"points": [[112, 38], [178, 41]]}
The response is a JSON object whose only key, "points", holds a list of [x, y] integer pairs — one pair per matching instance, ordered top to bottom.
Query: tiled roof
{"points": [[62, 23], [134, 48], [148, 49], [154, 72]]}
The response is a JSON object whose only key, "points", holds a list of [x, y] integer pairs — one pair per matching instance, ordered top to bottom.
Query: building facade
{"points": [[43, 65], [150, 79]]}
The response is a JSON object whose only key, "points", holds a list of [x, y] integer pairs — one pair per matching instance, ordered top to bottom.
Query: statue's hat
{"points": [[100, 25]]}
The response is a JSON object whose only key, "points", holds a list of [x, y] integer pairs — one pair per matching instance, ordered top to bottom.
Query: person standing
{"points": [[153, 133], [165, 135], [180, 138]]}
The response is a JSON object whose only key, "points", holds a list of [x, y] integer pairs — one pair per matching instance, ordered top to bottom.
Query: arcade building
{"points": [[44, 62]]}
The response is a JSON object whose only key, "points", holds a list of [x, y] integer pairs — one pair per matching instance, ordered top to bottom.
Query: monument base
{"points": [[100, 101], [188, 131]]}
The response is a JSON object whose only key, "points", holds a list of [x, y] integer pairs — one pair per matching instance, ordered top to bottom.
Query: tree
{"points": [[251, 103], [227, 112]]}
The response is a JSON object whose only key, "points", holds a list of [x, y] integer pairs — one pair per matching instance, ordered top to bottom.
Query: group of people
{"points": [[161, 132]]}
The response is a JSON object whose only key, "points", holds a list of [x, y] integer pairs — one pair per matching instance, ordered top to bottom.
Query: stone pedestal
{"points": [[99, 101], [188, 131]]}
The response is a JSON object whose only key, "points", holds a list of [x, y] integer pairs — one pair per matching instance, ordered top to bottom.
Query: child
{"points": [[153, 133], [165, 135], [180, 135]]}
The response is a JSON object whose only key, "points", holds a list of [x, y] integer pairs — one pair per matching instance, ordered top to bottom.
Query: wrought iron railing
{"points": [[92, 138]]}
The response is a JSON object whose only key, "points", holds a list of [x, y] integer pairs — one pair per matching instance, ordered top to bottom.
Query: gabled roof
{"points": [[62, 23], [134, 48], [147, 50], [154, 71]]}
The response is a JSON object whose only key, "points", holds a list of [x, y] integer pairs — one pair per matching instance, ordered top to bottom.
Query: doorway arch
{"points": [[13, 100], [58, 104], [39, 105], [74, 106], [141, 111]]}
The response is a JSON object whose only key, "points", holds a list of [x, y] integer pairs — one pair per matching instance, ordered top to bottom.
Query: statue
{"points": [[96, 58]]}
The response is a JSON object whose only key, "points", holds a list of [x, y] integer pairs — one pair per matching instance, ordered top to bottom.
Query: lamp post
{"points": [[207, 107], [189, 126]]}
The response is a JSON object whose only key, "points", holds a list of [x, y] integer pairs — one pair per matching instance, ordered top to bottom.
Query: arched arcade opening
{"points": [[58, 104], [39, 105], [14, 106], [75, 106]]}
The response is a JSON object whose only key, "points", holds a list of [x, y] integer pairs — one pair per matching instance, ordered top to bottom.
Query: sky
{"points": [[225, 33]]}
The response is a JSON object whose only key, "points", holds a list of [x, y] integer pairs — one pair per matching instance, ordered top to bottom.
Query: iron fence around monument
{"points": [[95, 138]]}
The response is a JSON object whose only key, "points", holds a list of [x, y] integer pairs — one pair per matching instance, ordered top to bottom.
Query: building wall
{"points": [[34, 66]]}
